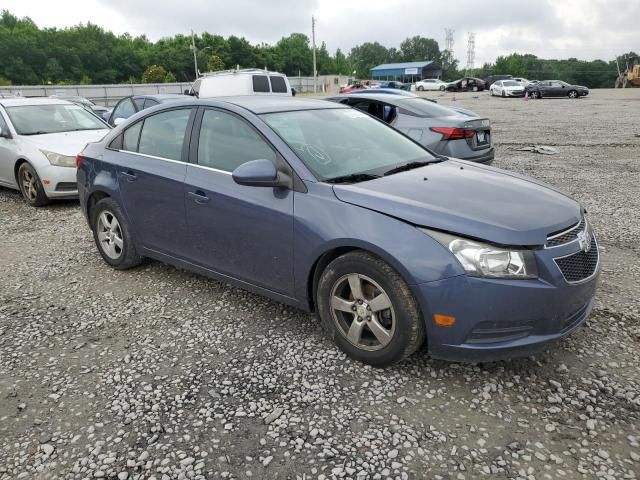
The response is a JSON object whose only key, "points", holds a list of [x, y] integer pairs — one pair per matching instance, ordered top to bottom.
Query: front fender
{"points": [[324, 224]]}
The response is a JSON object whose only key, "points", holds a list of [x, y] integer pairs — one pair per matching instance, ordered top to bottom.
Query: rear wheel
{"points": [[421, 88], [442, 88], [474, 88], [535, 94], [572, 94], [31, 186], [112, 235], [368, 309]]}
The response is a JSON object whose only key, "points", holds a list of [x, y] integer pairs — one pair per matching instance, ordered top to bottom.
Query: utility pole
{"points": [[313, 47], [195, 53]]}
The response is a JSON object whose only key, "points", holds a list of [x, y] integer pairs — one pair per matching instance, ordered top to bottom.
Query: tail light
{"points": [[449, 133], [79, 160]]}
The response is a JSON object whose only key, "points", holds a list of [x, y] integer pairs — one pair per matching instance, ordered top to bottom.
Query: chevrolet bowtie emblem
{"points": [[584, 241]]}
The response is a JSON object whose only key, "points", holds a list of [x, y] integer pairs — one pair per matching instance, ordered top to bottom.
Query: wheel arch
{"points": [[16, 168], [93, 199]]}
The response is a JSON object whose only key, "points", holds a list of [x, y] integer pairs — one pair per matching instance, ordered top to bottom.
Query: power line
{"points": [[449, 40]]}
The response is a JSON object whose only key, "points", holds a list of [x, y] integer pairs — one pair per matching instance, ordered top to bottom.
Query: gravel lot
{"points": [[157, 373]]}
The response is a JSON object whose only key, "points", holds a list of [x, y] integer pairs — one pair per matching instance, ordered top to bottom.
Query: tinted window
{"points": [[260, 83], [278, 85], [139, 103], [148, 103], [425, 108], [124, 109], [3, 124], [163, 134], [130, 137], [226, 142]]}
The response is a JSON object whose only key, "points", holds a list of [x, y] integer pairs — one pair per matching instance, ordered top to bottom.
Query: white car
{"points": [[522, 81], [430, 84], [506, 88], [39, 141]]}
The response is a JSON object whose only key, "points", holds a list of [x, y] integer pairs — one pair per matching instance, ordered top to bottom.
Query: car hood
{"points": [[66, 143], [471, 200]]}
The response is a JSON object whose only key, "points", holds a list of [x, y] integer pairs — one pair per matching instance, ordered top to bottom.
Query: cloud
{"points": [[584, 29]]}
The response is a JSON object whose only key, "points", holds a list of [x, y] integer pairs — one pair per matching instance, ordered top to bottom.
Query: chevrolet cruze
{"points": [[326, 208]]}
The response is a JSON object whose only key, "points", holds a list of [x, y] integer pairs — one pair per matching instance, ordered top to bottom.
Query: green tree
{"points": [[416, 49], [294, 54], [366, 56], [215, 64], [514, 64], [154, 74], [170, 78]]}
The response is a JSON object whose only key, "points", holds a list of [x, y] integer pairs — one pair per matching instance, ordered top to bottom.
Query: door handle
{"points": [[130, 176], [199, 197]]}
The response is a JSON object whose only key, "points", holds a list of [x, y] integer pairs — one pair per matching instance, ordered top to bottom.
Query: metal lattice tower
{"points": [[449, 40], [471, 50]]}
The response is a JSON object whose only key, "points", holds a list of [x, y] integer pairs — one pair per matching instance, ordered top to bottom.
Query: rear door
{"points": [[151, 174], [241, 231]]}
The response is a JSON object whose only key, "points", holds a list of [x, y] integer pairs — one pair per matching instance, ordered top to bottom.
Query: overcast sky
{"points": [[585, 29]]}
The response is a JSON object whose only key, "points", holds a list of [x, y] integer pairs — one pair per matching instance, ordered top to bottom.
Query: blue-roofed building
{"points": [[407, 71]]}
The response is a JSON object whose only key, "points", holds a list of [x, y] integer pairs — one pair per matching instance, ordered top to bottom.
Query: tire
{"points": [[421, 88], [442, 88], [474, 88], [572, 94], [503, 95], [535, 95], [31, 186], [114, 240], [400, 331]]}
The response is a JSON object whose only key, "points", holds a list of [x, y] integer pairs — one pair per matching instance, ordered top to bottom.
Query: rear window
{"points": [[261, 84], [278, 85], [425, 108]]}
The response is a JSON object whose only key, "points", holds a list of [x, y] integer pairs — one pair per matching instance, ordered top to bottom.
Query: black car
{"points": [[494, 78], [467, 84], [556, 88], [85, 103], [129, 106]]}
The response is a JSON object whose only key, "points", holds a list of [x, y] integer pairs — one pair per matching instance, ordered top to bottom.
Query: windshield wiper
{"points": [[39, 132], [412, 165], [352, 178]]}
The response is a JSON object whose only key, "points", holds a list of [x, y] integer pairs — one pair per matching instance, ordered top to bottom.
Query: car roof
{"points": [[163, 97], [382, 97], [24, 101], [271, 104]]}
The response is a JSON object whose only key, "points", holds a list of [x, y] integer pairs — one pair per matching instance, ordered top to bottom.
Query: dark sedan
{"points": [[467, 84], [556, 88], [129, 106], [443, 130], [323, 207]]}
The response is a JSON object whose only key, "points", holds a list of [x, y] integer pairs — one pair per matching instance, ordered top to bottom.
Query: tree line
{"points": [[89, 54]]}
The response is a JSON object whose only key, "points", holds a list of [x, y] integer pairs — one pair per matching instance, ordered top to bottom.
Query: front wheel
{"points": [[442, 88], [474, 89], [503, 95], [535, 95], [31, 186], [112, 235], [369, 310]]}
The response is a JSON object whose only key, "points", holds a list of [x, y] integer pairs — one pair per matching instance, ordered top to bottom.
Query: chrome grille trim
{"points": [[566, 236], [594, 246]]}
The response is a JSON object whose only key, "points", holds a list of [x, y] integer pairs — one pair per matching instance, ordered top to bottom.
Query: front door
{"points": [[7, 156], [151, 172], [241, 231]]}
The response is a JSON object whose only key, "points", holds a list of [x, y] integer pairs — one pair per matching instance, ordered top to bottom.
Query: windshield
{"points": [[510, 83], [52, 118], [339, 142]]}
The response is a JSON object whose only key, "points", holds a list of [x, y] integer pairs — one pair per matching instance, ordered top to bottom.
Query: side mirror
{"points": [[118, 121], [258, 173]]}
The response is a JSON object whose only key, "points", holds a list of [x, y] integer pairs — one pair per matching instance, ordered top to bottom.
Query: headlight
{"points": [[59, 160], [484, 260]]}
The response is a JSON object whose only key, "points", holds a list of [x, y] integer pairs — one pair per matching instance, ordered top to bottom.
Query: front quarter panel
{"points": [[95, 175], [323, 223]]}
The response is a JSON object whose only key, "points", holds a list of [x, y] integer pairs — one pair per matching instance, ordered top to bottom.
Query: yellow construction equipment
{"points": [[630, 77]]}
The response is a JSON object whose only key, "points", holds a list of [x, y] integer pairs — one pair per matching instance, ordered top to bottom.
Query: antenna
{"points": [[313, 45], [471, 50]]}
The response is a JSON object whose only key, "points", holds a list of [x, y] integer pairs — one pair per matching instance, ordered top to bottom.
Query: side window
{"points": [[261, 84], [278, 85], [139, 103], [148, 103], [124, 109], [3, 124], [163, 134], [130, 137], [227, 142]]}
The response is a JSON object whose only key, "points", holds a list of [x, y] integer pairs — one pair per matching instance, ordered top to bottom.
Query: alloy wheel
{"points": [[29, 185], [110, 235], [362, 312]]}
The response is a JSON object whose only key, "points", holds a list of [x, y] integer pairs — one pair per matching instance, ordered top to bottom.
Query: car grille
{"points": [[565, 236], [581, 265]]}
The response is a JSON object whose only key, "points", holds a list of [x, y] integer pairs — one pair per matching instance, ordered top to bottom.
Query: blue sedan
{"points": [[328, 209]]}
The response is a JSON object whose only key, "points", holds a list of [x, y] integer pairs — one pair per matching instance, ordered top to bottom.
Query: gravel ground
{"points": [[158, 373]]}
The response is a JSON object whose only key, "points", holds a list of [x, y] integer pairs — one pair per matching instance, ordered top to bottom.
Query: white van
{"points": [[250, 81]]}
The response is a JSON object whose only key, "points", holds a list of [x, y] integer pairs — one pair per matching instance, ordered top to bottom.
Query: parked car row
{"points": [[353, 207]]}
